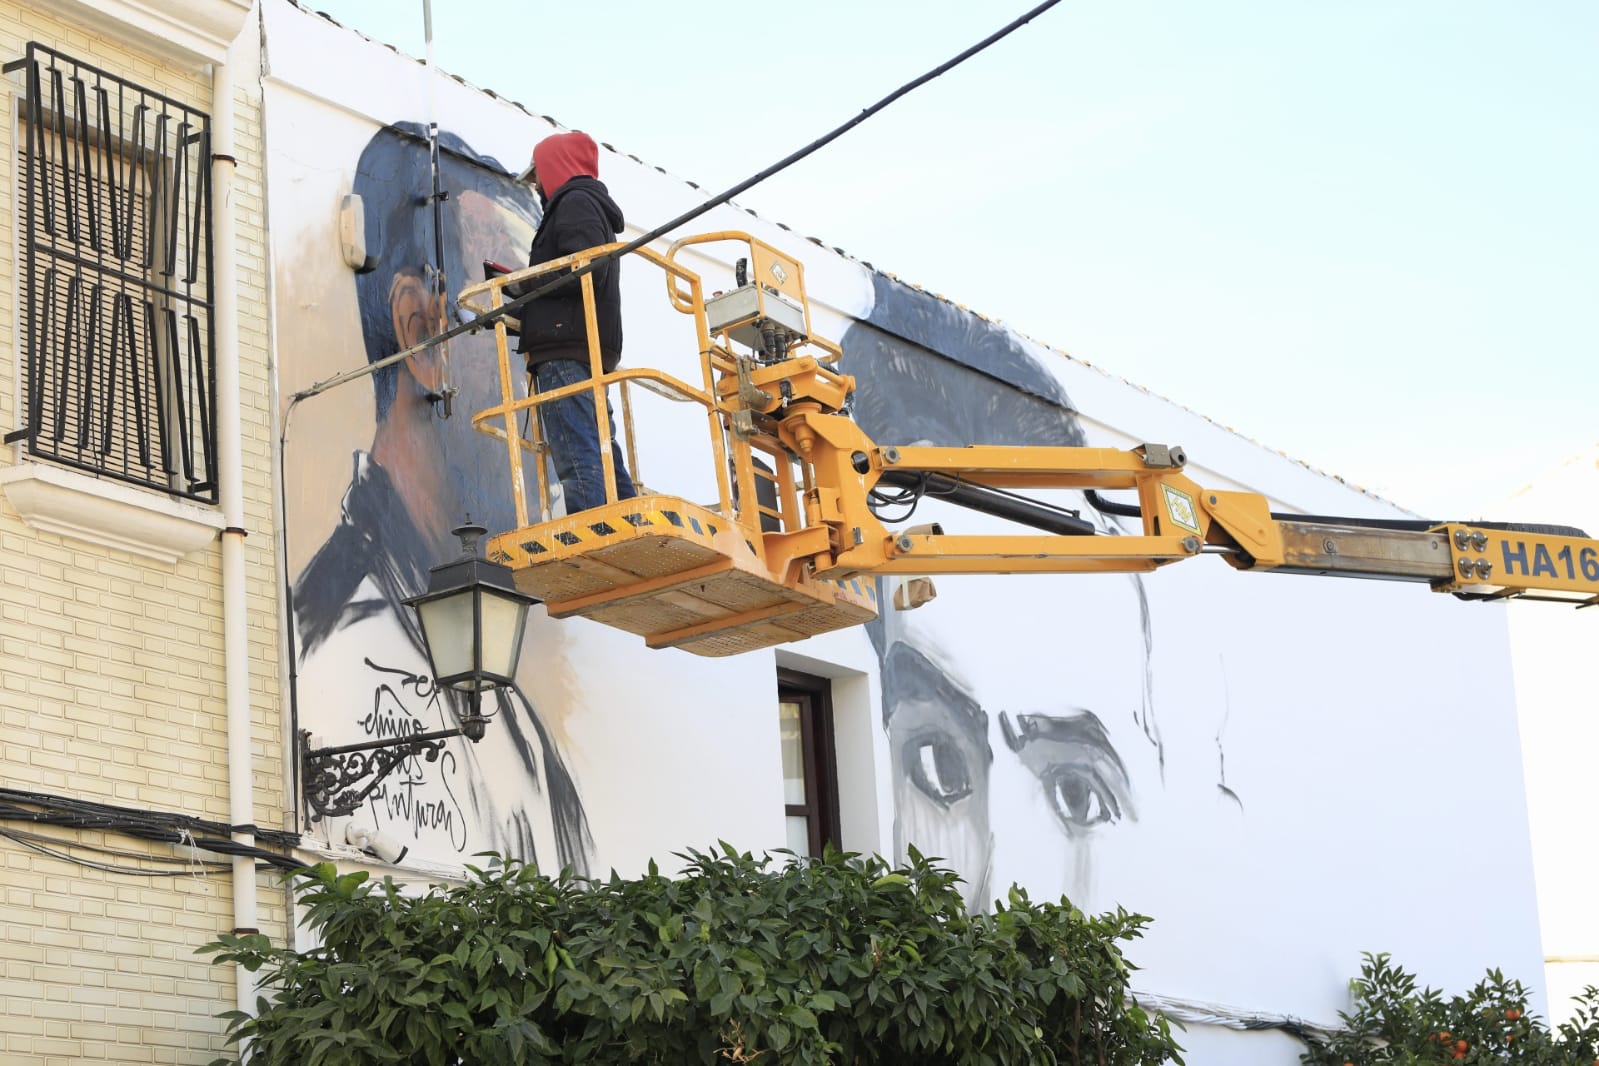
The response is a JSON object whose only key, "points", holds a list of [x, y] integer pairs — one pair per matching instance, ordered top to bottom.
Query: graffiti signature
{"points": [[402, 704]]}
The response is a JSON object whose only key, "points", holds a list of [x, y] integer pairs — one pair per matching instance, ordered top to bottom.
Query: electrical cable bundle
{"points": [[167, 827]]}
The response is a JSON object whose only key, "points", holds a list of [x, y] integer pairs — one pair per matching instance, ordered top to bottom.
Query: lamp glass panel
{"points": [[503, 621], [447, 628]]}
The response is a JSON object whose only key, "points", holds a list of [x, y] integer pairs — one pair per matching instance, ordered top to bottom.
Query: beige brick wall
{"points": [[111, 690]]}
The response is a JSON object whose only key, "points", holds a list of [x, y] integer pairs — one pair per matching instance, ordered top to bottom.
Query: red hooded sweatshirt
{"points": [[561, 157], [579, 213]]}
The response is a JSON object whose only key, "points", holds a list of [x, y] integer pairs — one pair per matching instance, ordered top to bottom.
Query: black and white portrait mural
{"points": [[422, 474], [1019, 714], [1170, 743]]}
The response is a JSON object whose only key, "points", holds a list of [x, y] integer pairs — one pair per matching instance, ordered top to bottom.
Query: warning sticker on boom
{"points": [[1180, 508]]}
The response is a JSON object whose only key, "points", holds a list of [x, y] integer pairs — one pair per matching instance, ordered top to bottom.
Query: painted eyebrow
{"points": [[909, 674], [1077, 726]]}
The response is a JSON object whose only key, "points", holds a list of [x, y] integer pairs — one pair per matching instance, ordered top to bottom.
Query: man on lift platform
{"points": [[578, 214]]}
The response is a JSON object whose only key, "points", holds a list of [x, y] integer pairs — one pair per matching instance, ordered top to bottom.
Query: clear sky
{"points": [[1364, 233]]}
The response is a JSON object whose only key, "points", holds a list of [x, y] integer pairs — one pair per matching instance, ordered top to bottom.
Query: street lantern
{"points": [[473, 619], [472, 622]]}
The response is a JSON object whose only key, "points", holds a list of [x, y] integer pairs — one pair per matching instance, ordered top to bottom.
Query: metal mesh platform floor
{"points": [[677, 575]]}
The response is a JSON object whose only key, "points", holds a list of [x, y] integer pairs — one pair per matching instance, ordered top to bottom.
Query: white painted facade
{"points": [[1559, 712], [1289, 771]]}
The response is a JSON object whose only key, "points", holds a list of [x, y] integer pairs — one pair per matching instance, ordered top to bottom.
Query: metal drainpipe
{"points": [[235, 640]]}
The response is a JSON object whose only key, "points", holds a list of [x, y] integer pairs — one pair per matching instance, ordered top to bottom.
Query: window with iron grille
{"points": [[118, 358]]}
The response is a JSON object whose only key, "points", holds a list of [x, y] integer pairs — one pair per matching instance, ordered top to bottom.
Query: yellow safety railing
{"points": [[772, 273], [715, 360], [501, 419]]}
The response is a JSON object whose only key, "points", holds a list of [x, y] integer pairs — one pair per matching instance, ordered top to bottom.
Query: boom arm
{"points": [[1179, 520]]}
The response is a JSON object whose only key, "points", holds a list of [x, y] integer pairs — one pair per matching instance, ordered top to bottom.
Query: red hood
{"points": [[562, 157]]}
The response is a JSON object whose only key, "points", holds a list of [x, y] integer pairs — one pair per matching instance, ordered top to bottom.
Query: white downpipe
{"points": [[235, 640]]}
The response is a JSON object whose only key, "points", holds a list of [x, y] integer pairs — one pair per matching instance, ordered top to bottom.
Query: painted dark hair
{"points": [[394, 180], [927, 370]]}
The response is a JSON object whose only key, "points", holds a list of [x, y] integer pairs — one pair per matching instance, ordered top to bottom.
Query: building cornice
{"points": [[189, 32]]}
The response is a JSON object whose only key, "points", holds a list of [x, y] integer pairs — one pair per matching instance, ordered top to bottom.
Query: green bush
{"points": [[743, 960], [1394, 1022]]}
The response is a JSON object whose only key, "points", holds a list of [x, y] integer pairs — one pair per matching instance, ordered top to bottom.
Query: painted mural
{"points": [[424, 472], [963, 736], [1227, 753], [585, 763]]}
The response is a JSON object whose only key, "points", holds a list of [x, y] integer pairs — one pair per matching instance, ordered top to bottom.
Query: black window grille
{"points": [[116, 280]]}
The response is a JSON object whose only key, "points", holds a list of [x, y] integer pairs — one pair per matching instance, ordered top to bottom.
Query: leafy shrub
{"points": [[835, 960], [1393, 1022]]}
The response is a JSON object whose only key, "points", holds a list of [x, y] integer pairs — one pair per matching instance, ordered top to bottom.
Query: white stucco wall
{"points": [[1559, 717], [1290, 771]]}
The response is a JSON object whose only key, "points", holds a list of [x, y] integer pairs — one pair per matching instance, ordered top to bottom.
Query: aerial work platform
{"points": [[798, 531], [676, 574], [710, 578]]}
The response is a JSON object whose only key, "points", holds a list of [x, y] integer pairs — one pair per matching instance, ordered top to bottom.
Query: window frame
{"points": [[162, 434], [819, 755]]}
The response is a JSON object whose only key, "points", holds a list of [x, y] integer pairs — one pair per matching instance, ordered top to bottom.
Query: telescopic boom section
{"points": [[1180, 520], [788, 548]]}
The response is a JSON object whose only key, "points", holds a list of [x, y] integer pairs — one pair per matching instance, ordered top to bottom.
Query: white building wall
{"points": [[1559, 716], [1287, 771]]}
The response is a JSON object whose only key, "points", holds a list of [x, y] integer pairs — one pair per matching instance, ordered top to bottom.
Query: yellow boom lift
{"points": [[791, 544]]}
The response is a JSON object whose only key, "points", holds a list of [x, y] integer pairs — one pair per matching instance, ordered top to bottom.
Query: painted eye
{"points": [[938, 768], [1083, 778], [1079, 798]]}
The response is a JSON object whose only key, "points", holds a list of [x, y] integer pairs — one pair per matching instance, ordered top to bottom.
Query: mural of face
{"points": [[493, 225], [423, 474], [1013, 717], [974, 748], [940, 760]]}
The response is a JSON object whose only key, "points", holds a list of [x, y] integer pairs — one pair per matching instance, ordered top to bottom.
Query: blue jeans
{"points": [[570, 430]]}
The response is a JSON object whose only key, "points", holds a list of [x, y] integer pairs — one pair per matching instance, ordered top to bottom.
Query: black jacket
{"points": [[580, 215]]}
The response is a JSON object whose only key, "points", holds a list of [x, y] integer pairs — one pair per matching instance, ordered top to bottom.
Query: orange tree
{"points": [[835, 960], [1397, 1022]]}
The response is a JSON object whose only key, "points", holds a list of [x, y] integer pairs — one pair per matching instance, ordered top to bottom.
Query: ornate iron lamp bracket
{"points": [[469, 590], [332, 773]]}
